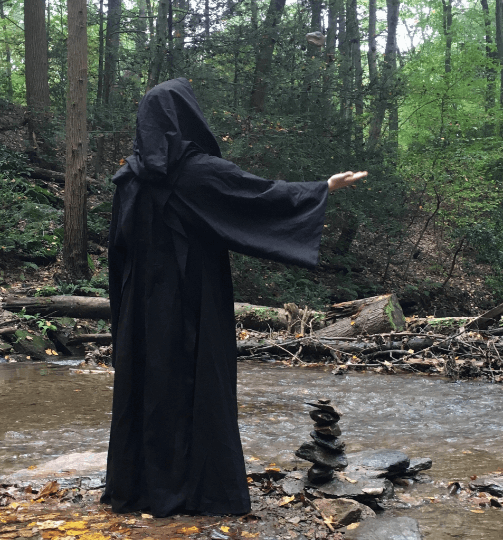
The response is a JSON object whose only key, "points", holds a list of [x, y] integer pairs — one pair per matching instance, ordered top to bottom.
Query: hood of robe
{"points": [[169, 126]]}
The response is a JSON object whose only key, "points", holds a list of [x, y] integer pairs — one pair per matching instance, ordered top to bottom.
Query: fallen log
{"points": [[54, 176], [84, 307], [367, 316], [291, 318], [100, 339]]}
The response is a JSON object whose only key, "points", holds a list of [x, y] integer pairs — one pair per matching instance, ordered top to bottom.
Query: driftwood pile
{"points": [[370, 333]]}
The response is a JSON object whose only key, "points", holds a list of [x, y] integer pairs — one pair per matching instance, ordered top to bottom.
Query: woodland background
{"points": [[410, 91]]}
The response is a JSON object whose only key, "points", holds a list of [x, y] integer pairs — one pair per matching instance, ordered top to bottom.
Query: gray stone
{"points": [[327, 408], [323, 418], [328, 432], [335, 445], [315, 454], [378, 463], [418, 464], [317, 474], [490, 483], [293, 486], [361, 488], [342, 511], [400, 528]]}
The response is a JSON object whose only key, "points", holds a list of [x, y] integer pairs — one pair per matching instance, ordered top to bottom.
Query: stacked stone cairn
{"points": [[326, 451]]}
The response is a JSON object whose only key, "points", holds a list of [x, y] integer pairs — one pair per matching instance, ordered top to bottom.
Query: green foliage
{"points": [[43, 324]]}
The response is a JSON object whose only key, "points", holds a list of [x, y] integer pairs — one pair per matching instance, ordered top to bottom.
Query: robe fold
{"points": [[178, 208]]}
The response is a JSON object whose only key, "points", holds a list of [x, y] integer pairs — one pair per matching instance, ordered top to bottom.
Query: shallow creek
{"points": [[47, 410]]}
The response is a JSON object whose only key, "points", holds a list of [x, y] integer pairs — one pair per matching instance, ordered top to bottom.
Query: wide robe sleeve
{"points": [[277, 220]]}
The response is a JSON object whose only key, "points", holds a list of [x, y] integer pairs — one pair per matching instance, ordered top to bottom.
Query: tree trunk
{"points": [[447, 26], [161, 39], [499, 43], [111, 47], [101, 48], [372, 52], [265, 54], [491, 57], [356, 64], [8, 66], [36, 71], [387, 86], [75, 221], [361, 317]]}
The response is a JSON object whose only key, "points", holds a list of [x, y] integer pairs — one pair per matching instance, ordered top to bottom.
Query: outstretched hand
{"points": [[344, 179]]}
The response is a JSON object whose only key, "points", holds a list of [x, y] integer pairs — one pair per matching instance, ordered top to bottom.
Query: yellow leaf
{"points": [[352, 323], [410, 351], [31, 467], [351, 480], [286, 500], [14, 505], [478, 511], [73, 525], [352, 526], [224, 528], [188, 530], [246, 534], [93, 536]]}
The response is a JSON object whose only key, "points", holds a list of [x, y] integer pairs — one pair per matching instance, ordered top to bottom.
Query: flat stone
{"points": [[327, 408], [323, 418], [328, 432], [335, 445], [315, 454], [378, 463], [418, 464], [318, 474], [490, 483], [293, 486], [361, 489], [342, 511], [399, 528]]}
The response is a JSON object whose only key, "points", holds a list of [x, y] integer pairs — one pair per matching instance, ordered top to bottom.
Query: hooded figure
{"points": [[178, 208]]}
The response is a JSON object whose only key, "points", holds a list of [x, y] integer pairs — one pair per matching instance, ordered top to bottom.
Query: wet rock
{"points": [[32, 345], [327, 408], [323, 418], [328, 432], [335, 445], [315, 454], [378, 463], [418, 464], [318, 473], [96, 482], [491, 483], [293, 486], [361, 489], [342, 511], [401, 528]]}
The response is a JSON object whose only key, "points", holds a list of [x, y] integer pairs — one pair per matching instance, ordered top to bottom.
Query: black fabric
{"points": [[174, 441]]}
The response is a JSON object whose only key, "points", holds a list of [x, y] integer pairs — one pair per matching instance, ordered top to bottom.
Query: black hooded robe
{"points": [[178, 209]]}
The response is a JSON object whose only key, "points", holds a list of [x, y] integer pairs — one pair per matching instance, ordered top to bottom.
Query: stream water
{"points": [[48, 410]]}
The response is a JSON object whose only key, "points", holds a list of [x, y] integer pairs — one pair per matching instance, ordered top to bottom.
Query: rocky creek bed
{"points": [[56, 412]]}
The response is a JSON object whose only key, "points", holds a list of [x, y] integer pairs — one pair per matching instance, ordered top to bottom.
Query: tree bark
{"points": [[447, 26], [353, 31], [161, 39], [499, 43], [111, 47], [101, 49], [265, 53], [491, 57], [8, 66], [36, 72], [387, 86], [75, 219], [82, 307], [367, 316]]}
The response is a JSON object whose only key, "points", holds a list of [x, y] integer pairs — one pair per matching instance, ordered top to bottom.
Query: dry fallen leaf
{"points": [[49, 489], [286, 500], [478, 511], [49, 524], [352, 526], [225, 529], [188, 530], [246, 534]]}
